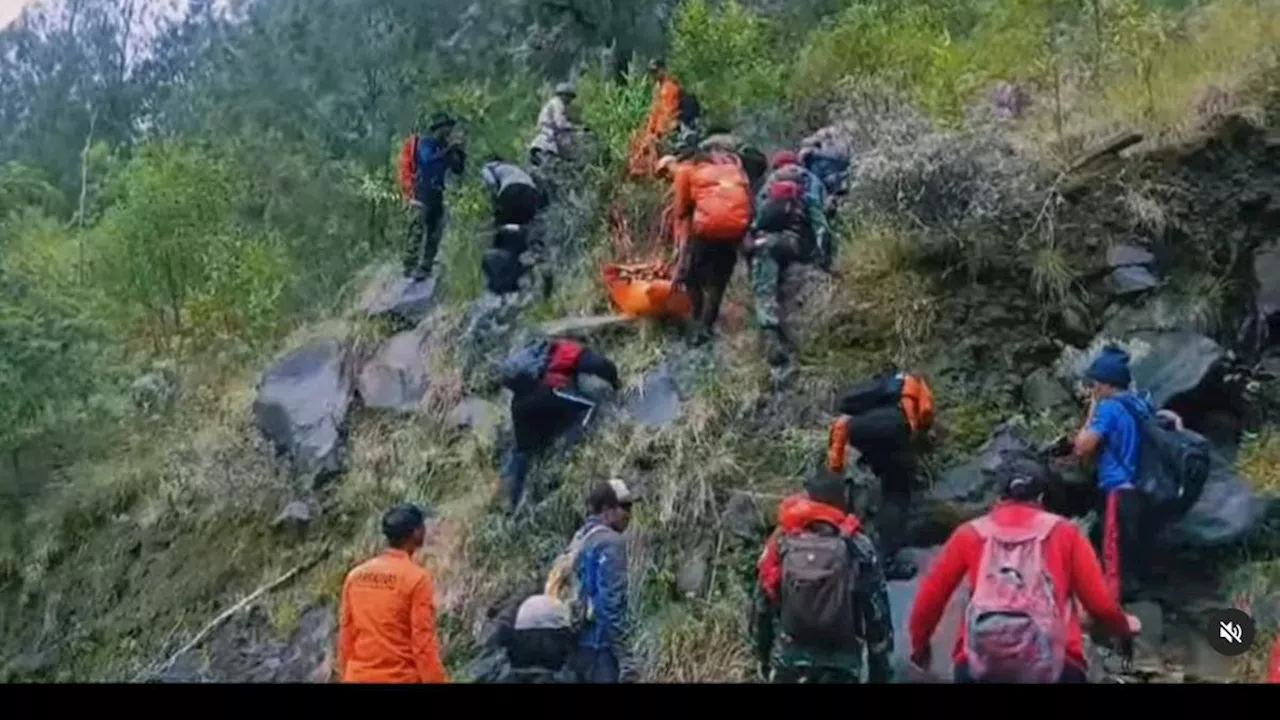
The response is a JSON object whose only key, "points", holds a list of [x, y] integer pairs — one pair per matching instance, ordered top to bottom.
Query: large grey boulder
{"points": [[401, 300], [1165, 364], [1169, 364], [397, 375], [657, 402], [302, 407], [1227, 510]]}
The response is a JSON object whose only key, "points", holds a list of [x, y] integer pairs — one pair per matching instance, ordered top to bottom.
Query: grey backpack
{"points": [[819, 575]]}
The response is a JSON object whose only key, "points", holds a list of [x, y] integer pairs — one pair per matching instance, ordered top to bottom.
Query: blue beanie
{"points": [[1111, 367]]}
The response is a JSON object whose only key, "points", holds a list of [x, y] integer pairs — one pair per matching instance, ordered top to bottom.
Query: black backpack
{"points": [[690, 108], [881, 391], [1173, 464], [819, 576]]}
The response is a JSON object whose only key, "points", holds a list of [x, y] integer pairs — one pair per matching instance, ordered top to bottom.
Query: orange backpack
{"points": [[721, 199]]}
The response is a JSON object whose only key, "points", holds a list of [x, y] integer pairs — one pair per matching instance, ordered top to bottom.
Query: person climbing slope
{"points": [[664, 118], [557, 131], [826, 153], [425, 161], [513, 193], [516, 200], [712, 213], [790, 226], [542, 377], [888, 420], [1111, 439], [599, 553], [1025, 567], [819, 579], [387, 621], [540, 642]]}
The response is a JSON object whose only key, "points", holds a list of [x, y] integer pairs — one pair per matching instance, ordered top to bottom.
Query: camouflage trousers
{"points": [[768, 270], [814, 675]]}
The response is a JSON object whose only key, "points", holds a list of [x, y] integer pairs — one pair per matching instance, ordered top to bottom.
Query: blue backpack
{"points": [[523, 371], [1173, 464]]}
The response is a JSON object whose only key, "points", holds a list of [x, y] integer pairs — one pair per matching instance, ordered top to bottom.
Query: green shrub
{"points": [[728, 56], [178, 262]]}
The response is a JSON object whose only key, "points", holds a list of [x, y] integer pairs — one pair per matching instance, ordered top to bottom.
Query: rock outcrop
{"points": [[396, 377], [302, 408]]}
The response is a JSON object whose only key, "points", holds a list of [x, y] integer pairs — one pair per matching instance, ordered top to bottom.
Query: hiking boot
{"points": [[699, 336]]}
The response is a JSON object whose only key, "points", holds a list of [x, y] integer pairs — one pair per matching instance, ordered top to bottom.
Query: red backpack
{"points": [[409, 167], [563, 363], [1015, 630]]}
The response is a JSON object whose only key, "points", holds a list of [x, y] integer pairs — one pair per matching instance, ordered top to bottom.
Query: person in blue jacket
{"points": [[437, 154], [1111, 441], [604, 645]]}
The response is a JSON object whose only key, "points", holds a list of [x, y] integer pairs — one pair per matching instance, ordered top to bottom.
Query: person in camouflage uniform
{"points": [[807, 240], [823, 510]]}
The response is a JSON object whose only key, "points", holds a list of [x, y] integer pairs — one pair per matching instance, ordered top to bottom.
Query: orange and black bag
{"points": [[908, 392]]}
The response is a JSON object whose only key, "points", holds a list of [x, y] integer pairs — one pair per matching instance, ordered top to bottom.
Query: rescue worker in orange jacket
{"points": [[664, 117], [713, 210], [387, 627]]}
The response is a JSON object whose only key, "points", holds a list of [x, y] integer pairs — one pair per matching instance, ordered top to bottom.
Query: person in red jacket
{"points": [[1069, 560], [387, 627], [1273, 676]]}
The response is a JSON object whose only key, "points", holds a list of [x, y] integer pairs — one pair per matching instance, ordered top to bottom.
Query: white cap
{"points": [[623, 493], [542, 612]]}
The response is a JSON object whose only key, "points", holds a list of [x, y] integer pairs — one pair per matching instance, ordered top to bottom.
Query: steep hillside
{"points": [[986, 245]]}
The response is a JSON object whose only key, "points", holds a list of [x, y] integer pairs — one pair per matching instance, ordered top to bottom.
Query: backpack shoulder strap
{"points": [[1044, 524], [1041, 526]]}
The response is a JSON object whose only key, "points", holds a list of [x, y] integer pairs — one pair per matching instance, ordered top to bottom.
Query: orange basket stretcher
{"points": [[645, 289]]}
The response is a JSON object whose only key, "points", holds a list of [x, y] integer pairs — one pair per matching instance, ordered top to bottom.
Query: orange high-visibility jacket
{"points": [[664, 115], [387, 631]]}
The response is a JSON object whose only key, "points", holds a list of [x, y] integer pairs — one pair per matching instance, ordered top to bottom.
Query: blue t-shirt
{"points": [[1121, 439]]}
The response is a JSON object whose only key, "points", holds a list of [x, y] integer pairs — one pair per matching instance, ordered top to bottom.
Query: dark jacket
{"points": [[435, 159], [570, 358], [602, 577], [871, 594], [545, 648]]}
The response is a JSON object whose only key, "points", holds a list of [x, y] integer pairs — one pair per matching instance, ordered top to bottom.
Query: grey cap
{"points": [[567, 88]]}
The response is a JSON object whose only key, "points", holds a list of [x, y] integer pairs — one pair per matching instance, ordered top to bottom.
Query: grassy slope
{"points": [[139, 547]]}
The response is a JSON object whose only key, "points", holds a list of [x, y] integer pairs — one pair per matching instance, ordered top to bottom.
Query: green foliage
{"points": [[728, 56], [24, 187], [176, 259], [53, 350]]}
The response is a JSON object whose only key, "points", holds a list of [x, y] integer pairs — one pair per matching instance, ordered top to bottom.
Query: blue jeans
{"points": [[595, 666]]}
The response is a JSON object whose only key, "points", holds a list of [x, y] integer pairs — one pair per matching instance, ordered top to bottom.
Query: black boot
{"points": [[775, 347]]}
